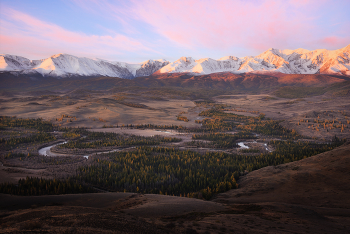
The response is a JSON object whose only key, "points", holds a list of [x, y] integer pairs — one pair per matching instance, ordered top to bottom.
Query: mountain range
{"points": [[299, 61], [65, 65]]}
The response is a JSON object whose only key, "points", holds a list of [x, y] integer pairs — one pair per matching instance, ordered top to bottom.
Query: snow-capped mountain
{"points": [[299, 61], [15, 63], [65, 65], [202, 66], [145, 68]]}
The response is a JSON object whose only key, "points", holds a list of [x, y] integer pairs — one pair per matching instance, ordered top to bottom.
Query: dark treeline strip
{"points": [[211, 104], [135, 105], [219, 113], [39, 124], [208, 125], [153, 126], [179, 128], [78, 130], [40, 137], [100, 139], [222, 140], [250, 151], [16, 155], [61, 160], [187, 173], [35, 187]]}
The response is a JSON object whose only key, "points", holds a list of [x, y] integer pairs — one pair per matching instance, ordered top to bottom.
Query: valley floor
{"points": [[307, 196]]}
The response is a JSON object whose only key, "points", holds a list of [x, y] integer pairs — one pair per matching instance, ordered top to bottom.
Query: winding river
{"points": [[243, 146], [46, 151]]}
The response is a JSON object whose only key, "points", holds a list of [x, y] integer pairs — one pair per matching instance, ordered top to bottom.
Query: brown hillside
{"points": [[309, 80], [245, 81], [321, 181]]}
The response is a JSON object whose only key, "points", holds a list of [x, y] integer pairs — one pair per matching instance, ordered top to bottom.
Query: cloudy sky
{"points": [[138, 30]]}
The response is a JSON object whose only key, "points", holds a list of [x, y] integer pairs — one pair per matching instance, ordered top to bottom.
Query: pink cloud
{"points": [[299, 2], [223, 24], [24, 34], [334, 41]]}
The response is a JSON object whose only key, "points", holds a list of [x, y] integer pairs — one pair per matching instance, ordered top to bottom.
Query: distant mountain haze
{"points": [[299, 61]]}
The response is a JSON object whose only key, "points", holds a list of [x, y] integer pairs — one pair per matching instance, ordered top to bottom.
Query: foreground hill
{"points": [[320, 181], [306, 196]]}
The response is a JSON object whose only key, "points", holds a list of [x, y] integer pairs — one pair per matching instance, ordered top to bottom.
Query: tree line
{"points": [[38, 124], [40, 137], [100, 139], [221, 140], [186, 173], [32, 186]]}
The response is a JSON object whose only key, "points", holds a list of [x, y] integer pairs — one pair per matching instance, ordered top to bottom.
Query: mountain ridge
{"points": [[298, 61], [65, 65]]}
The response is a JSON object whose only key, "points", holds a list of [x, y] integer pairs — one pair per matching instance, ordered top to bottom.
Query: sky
{"points": [[137, 30]]}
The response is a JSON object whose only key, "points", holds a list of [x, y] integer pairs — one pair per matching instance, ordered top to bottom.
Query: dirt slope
{"points": [[321, 181]]}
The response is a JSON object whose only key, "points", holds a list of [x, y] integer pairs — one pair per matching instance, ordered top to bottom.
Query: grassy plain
{"points": [[98, 109], [305, 115]]}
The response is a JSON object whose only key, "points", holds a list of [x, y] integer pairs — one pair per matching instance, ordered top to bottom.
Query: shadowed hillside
{"points": [[219, 81]]}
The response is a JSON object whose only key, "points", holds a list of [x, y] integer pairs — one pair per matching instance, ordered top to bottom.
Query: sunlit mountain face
{"points": [[299, 61], [65, 65]]}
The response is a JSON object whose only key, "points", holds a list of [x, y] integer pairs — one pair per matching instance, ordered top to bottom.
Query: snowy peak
{"points": [[346, 49], [298, 51], [228, 58], [271, 59], [186, 60], [150, 61], [299, 61], [14, 63], [184, 64], [62, 65], [65, 65], [202, 66], [149, 67]]}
